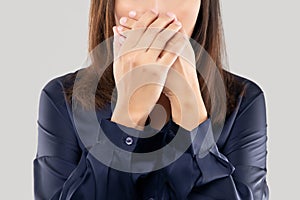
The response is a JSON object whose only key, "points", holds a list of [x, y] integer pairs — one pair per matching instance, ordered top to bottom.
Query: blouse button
{"points": [[129, 141]]}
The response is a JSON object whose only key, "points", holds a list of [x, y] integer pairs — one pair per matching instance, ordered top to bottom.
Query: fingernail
{"points": [[132, 13], [172, 15], [123, 20], [120, 28], [114, 29]]}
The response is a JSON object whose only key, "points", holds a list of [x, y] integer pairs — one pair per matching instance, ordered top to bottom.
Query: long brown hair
{"points": [[208, 32]]}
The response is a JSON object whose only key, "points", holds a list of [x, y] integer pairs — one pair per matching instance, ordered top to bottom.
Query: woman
{"points": [[216, 118]]}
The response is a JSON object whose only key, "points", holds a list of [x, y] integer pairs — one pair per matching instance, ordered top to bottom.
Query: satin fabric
{"points": [[233, 168]]}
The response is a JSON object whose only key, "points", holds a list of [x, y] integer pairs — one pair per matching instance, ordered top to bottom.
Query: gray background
{"points": [[44, 39]]}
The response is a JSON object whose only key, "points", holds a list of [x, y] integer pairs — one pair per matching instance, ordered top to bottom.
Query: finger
{"points": [[133, 15], [145, 20], [164, 20], [127, 22], [130, 22], [138, 27], [122, 30], [153, 33], [115, 37], [121, 38], [163, 38], [116, 43], [173, 49], [164, 52], [188, 53], [168, 58]]}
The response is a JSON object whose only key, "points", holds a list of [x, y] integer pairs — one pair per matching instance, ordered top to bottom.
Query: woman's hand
{"points": [[140, 89], [188, 108]]}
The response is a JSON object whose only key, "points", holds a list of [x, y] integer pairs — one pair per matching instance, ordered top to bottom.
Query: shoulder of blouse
{"points": [[252, 87], [252, 90], [53, 108]]}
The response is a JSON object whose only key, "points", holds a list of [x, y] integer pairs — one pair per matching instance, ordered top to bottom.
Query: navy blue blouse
{"points": [[234, 167]]}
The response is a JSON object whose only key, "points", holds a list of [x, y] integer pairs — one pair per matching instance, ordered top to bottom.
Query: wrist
{"points": [[189, 116], [133, 120]]}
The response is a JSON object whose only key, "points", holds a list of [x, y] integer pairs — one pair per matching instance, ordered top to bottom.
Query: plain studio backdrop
{"points": [[41, 40]]}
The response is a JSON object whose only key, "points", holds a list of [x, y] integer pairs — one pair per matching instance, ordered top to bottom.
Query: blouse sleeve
{"points": [[57, 151], [239, 172]]}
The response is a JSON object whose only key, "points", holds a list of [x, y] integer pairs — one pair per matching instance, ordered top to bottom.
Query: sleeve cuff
{"points": [[201, 137], [131, 139], [211, 162], [213, 165]]}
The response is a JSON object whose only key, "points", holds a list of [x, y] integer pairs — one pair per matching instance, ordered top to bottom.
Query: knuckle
{"points": [[166, 17], [139, 24], [175, 27], [153, 29], [161, 37], [172, 43]]}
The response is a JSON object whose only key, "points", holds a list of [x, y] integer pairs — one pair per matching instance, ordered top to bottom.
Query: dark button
{"points": [[129, 140]]}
